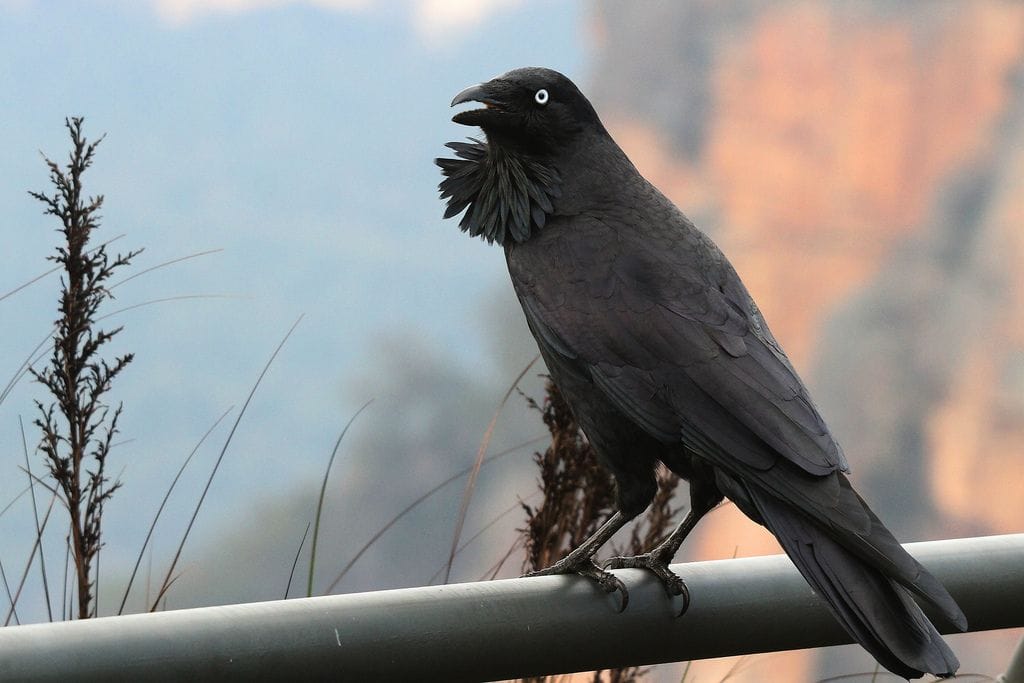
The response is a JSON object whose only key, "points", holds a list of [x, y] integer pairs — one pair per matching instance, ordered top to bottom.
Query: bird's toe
{"points": [[631, 562], [607, 581], [674, 585]]}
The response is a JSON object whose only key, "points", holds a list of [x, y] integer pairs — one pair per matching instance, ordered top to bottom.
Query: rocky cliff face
{"points": [[862, 164]]}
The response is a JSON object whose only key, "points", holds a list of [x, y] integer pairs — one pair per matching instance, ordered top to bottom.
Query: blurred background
{"points": [[862, 164]]}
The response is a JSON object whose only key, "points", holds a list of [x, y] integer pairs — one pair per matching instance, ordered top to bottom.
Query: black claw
{"points": [[608, 582], [674, 586], [621, 588], [685, 594], [625, 599]]}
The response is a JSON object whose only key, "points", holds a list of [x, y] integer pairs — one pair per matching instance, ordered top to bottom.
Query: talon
{"points": [[609, 583], [674, 586], [621, 588], [685, 593], [625, 599]]}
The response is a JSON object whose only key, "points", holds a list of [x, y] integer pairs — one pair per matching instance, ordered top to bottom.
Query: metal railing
{"points": [[497, 629]]}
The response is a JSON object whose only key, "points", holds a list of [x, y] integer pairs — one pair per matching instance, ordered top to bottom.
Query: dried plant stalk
{"points": [[78, 426], [578, 496]]}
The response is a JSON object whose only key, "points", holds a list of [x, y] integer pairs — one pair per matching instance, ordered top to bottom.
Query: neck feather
{"points": [[507, 196]]}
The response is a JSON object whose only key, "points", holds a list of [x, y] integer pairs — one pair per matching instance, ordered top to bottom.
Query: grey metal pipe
{"points": [[496, 629]]}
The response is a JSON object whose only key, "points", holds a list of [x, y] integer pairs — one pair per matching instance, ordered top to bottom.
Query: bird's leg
{"points": [[658, 558], [580, 561]]}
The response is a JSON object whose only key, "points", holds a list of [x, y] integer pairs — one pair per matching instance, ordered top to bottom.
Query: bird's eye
{"points": [[541, 97]]}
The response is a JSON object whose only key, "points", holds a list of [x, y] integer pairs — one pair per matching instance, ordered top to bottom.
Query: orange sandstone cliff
{"points": [[862, 164]]}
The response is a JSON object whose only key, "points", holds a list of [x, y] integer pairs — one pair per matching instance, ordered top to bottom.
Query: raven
{"points": [[663, 356]]}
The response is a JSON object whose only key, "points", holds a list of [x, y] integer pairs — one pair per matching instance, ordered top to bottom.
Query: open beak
{"points": [[474, 93], [484, 94]]}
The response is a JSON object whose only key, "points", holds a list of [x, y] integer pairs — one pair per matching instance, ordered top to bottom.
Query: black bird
{"points": [[663, 356]]}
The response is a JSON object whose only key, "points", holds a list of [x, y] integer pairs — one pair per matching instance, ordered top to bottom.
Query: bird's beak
{"points": [[474, 93], [485, 94]]}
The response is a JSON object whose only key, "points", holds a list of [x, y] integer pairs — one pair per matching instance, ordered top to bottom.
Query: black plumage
{"points": [[515, 195], [664, 356]]}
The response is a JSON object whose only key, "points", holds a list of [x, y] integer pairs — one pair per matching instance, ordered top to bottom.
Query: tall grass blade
{"points": [[171, 262], [51, 271], [28, 362], [467, 496], [13, 501], [320, 501], [163, 503], [414, 504], [35, 514], [31, 559], [295, 562], [166, 584], [10, 598]]}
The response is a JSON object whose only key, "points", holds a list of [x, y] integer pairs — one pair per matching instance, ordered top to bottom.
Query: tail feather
{"points": [[920, 581], [874, 608]]}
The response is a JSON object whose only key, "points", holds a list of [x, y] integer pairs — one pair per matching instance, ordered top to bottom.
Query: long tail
{"points": [[873, 605]]}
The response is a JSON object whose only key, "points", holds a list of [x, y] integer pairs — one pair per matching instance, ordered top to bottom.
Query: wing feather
{"points": [[653, 328]]}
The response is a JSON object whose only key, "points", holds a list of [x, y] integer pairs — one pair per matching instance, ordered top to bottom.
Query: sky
{"points": [[297, 138]]}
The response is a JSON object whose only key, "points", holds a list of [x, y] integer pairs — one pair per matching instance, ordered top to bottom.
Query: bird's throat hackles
{"points": [[507, 196]]}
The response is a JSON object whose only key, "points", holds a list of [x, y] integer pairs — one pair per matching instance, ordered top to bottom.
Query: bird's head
{"points": [[532, 109]]}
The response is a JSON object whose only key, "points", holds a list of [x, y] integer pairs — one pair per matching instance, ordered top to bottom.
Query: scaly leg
{"points": [[658, 558], [580, 561]]}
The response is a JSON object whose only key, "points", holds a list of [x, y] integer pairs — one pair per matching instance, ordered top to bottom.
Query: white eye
{"points": [[541, 97]]}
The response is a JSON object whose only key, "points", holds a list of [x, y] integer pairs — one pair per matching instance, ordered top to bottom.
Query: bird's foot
{"points": [[653, 561], [608, 582]]}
